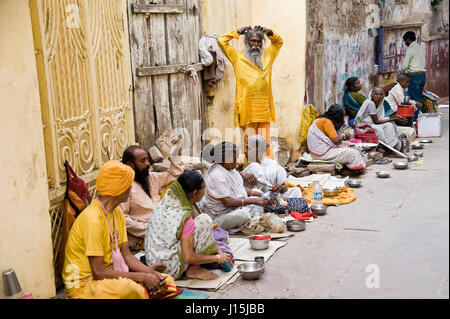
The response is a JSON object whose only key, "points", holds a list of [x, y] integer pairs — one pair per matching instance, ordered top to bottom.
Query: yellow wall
{"points": [[288, 79], [25, 236]]}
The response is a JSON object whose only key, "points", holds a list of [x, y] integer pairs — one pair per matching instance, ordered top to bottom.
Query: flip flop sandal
{"points": [[382, 161]]}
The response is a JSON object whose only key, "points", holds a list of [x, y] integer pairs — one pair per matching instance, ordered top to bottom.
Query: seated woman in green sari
{"points": [[353, 100], [179, 235]]}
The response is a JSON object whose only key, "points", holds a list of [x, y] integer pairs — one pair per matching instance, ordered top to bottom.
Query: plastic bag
{"points": [[276, 224]]}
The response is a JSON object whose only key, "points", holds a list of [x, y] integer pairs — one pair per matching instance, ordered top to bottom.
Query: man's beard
{"points": [[254, 54], [142, 178]]}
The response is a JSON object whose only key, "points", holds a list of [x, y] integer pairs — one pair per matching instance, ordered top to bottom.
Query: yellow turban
{"points": [[114, 179]]}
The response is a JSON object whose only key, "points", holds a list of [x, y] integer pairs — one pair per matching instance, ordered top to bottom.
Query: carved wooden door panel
{"points": [[84, 74]]}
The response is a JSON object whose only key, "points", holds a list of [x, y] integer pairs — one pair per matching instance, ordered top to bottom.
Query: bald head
{"points": [[403, 79]]}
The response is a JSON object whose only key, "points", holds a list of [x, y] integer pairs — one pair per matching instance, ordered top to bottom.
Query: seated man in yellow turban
{"points": [[98, 262]]}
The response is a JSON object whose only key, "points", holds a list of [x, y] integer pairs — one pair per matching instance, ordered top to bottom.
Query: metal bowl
{"points": [[426, 141], [417, 146], [418, 153], [412, 158], [400, 165], [383, 174], [353, 183], [330, 192], [319, 209], [295, 225], [259, 244], [251, 270]]}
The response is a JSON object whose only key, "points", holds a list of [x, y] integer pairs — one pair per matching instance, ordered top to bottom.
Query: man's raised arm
{"points": [[276, 42], [226, 47]]}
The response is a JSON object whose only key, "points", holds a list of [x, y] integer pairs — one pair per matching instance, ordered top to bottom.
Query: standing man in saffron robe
{"points": [[254, 108]]}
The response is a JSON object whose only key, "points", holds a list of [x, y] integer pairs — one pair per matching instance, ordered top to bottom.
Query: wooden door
{"points": [[164, 36]]}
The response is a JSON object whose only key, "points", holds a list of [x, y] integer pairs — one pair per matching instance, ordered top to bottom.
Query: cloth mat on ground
{"points": [[307, 158], [326, 180], [346, 195], [272, 235], [242, 252], [246, 253], [187, 294]]}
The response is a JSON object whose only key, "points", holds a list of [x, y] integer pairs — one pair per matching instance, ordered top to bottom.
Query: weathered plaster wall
{"points": [[434, 35], [339, 46], [345, 56], [437, 64], [288, 79], [25, 237]]}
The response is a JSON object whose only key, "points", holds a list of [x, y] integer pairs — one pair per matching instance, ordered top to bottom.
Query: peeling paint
{"points": [[339, 46], [345, 56], [437, 67]]}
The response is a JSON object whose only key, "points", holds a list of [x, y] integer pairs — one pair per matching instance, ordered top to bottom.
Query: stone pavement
{"points": [[397, 231]]}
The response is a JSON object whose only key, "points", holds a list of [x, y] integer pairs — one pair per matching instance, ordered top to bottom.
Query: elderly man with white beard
{"points": [[253, 108]]}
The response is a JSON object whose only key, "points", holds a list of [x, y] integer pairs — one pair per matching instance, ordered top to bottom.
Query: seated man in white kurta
{"points": [[396, 97], [265, 170]]}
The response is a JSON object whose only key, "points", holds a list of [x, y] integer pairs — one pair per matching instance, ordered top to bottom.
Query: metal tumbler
{"points": [[260, 259], [12, 285]]}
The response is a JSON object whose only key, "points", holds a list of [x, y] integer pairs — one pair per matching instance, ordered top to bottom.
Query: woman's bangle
{"points": [[242, 202], [218, 258]]}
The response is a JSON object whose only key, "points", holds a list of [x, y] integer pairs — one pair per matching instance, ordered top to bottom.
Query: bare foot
{"points": [[394, 155], [347, 172], [197, 272]]}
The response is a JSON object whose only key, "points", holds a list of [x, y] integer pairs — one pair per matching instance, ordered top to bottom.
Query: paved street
{"points": [[398, 227]]}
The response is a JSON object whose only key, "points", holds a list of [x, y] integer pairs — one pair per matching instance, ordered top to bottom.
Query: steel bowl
{"points": [[426, 141], [417, 146], [418, 153], [412, 158], [400, 165], [383, 174], [353, 183], [330, 192], [319, 209], [295, 225], [259, 244], [251, 270]]}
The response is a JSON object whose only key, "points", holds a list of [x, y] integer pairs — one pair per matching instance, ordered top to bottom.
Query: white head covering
{"points": [[380, 106], [257, 145], [220, 152]]}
